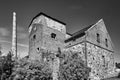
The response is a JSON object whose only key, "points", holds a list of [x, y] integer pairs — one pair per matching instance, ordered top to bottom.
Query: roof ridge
{"points": [[41, 13]]}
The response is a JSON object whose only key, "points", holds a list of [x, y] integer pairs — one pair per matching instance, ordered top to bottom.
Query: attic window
{"points": [[53, 35], [98, 37], [106, 42]]}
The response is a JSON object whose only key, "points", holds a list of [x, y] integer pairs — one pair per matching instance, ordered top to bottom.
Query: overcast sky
{"points": [[77, 14]]}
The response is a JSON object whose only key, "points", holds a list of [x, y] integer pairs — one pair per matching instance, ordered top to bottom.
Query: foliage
{"points": [[6, 66], [72, 67], [32, 70]]}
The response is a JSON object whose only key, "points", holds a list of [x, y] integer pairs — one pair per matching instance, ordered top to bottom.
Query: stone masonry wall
{"points": [[78, 48], [101, 62]]}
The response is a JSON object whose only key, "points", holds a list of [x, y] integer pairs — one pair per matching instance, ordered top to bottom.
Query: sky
{"points": [[77, 14]]}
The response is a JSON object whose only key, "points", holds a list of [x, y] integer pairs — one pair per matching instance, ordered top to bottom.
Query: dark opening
{"points": [[53, 35], [34, 36], [98, 38], [106, 42], [38, 49], [103, 57]]}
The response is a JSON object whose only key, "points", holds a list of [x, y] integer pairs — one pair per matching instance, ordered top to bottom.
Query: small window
{"points": [[53, 35], [34, 36], [98, 38], [106, 42], [38, 49], [103, 57]]}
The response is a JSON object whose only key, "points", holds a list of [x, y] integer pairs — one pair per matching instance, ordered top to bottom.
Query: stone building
{"points": [[45, 33], [93, 44]]}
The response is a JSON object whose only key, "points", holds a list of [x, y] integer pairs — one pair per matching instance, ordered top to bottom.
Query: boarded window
{"points": [[53, 35], [98, 37]]}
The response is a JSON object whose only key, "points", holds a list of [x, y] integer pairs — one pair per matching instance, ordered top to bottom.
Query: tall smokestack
{"points": [[14, 36]]}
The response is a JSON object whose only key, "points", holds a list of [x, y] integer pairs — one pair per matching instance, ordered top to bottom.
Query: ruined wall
{"points": [[101, 62]]}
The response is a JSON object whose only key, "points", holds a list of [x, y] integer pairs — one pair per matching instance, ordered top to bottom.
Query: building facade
{"points": [[92, 43]]}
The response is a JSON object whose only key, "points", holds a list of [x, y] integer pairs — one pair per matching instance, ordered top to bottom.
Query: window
{"points": [[53, 35], [34, 36], [98, 37], [106, 42], [38, 49], [103, 57]]}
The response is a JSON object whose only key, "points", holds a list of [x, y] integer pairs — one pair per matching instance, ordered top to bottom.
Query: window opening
{"points": [[53, 35], [34, 37], [98, 38], [106, 42]]}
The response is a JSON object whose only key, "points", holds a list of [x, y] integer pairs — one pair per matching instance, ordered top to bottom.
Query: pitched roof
{"points": [[41, 13], [81, 31], [69, 34], [78, 34]]}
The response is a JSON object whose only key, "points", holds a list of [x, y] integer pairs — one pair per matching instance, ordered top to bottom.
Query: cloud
{"points": [[20, 29], [4, 31], [21, 33], [19, 44]]}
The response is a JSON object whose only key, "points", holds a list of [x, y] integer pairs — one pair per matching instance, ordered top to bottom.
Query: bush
{"points": [[6, 66], [73, 68], [32, 70]]}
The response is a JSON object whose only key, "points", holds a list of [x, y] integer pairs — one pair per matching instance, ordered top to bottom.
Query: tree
{"points": [[6, 66], [72, 67], [31, 70]]}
